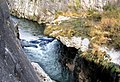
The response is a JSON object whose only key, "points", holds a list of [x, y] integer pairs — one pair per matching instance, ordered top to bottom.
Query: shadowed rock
{"points": [[14, 65]]}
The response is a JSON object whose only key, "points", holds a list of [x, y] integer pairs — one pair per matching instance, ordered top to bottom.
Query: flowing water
{"points": [[45, 51]]}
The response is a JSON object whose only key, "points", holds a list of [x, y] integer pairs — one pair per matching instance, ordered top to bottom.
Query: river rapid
{"points": [[42, 49]]}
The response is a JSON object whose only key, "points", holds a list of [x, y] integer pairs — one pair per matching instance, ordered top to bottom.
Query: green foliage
{"points": [[52, 1], [78, 3], [109, 7], [91, 10], [94, 15], [79, 26], [55, 30], [115, 37]]}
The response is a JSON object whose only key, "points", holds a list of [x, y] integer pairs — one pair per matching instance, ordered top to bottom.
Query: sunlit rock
{"points": [[60, 19], [71, 42], [75, 42], [85, 44], [41, 73]]}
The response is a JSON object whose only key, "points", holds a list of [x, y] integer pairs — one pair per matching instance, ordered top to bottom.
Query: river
{"points": [[44, 50]]}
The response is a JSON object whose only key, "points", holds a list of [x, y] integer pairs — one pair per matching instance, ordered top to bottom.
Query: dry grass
{"points": [[102, 28]]}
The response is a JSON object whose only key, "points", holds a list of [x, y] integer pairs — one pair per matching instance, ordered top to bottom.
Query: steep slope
{"points": [[14, 65]]}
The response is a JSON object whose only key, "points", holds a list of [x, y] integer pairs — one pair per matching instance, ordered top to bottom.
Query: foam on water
{"points": [[47, 57]]}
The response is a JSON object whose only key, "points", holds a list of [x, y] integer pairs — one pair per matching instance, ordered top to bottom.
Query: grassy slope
{"points": [[102, 28]]}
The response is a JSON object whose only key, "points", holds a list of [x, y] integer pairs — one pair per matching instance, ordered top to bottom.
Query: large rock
{"points": [[75, 42], [14, 65]]}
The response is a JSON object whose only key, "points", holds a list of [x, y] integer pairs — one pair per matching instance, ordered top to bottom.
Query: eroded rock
{"points": [[75, 42]]}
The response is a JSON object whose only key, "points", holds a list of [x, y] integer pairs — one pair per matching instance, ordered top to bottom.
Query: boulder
{"points": [[76, 42]]}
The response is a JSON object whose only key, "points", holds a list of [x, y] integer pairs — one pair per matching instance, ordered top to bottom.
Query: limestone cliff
{"points": [[45, 10], [14, 65]]}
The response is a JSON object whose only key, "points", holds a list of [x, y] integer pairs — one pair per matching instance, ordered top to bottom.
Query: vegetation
{"points": [[102, 28]]}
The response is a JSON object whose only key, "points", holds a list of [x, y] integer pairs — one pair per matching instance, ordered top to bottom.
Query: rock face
{"points": [[45, 10], [14, 65]]}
